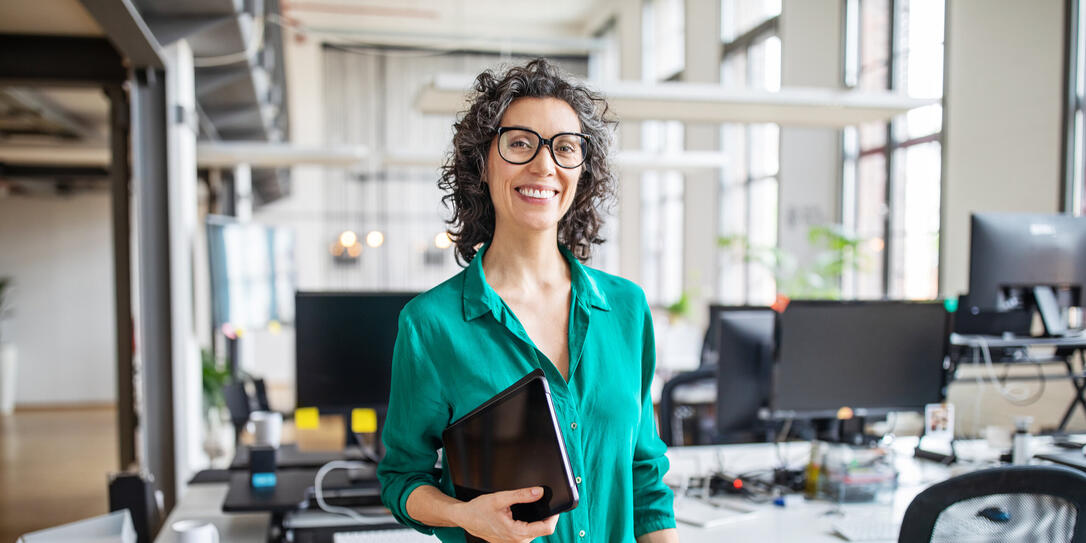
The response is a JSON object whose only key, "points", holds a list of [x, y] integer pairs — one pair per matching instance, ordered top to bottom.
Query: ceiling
{"points": [[555, 26]]}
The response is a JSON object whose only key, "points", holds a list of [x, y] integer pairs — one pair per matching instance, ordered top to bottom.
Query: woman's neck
{"points": [[525, 263]]}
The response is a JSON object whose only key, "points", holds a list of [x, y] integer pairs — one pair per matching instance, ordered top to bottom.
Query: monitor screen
{"points": [[1009, 253], [343, 345], [744, 345], [873, 357]]}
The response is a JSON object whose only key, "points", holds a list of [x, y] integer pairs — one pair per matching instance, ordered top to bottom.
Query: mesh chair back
{"points": [[1006, 504]]}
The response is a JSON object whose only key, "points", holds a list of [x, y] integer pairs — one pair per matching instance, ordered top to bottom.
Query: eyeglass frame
{"points": [[547, 142]]}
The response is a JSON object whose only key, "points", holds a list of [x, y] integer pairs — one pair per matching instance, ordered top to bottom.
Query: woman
{"points": [[527, 172]]}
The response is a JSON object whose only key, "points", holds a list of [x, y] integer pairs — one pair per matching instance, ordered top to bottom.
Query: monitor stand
{"points": [[1048, 306], [846, 431]]}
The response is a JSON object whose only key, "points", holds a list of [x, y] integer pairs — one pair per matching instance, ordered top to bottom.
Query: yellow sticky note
{"points": [[307, 418], [363, 421]]}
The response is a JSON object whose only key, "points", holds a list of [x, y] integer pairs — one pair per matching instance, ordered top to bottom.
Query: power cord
{"points": [[1019, 397], [335, 509]]}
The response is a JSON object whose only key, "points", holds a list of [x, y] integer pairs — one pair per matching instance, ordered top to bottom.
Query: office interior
{"points": [[173, 174]]}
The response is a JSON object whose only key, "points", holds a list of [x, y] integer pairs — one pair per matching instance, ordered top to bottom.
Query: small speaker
{"points": [[262, 466]]}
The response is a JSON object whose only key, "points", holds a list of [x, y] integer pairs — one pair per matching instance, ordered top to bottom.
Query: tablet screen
{"points": [[512, 442]]}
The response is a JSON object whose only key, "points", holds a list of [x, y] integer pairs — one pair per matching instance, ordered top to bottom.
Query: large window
{"points": [[892, 171], [749, 183], [662, 190]]}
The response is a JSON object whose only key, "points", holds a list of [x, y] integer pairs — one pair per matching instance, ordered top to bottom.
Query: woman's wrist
{"points": [[428, 505]]}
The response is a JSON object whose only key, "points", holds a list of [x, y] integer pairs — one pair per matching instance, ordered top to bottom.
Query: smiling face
{"points": [[531, 198]]}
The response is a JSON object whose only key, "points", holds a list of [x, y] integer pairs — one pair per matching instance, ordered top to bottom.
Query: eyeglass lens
{"points": [[520, 146]]}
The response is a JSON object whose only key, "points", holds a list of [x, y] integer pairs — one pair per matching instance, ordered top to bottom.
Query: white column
{"points": [[812, 38], [1002, 124], [181, 134], [243, 192], [701, 196]]}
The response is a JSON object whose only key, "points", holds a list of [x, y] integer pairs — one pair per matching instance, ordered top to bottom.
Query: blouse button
{"points": [[574, 425], [578, 480], [582, 533]]}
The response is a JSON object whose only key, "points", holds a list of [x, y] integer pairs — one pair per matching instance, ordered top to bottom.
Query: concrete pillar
{"points": [[812, 45], [181, 132], [701, 196]]}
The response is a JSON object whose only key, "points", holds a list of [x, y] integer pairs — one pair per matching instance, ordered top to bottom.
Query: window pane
{"points": [[739, 16], [874, 44], [920, 48], [920, 122], [872, 135], [764, 150], [870, 224], [763, 235], [919, 246]]}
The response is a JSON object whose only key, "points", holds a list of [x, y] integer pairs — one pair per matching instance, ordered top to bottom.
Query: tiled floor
{"points": [[54, 465]]}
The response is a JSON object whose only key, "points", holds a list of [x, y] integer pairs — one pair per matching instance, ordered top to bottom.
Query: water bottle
{"points": [[1020, 449]]}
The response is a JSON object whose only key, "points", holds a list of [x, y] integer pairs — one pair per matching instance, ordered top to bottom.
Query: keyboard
{"points": [[860, 528], [401, 535]]}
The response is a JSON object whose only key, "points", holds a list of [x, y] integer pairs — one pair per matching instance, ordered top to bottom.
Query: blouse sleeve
{"points": [[412, 432], [653, 509]]}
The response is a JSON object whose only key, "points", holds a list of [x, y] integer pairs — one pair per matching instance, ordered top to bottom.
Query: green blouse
{"points": [[459, 344]]}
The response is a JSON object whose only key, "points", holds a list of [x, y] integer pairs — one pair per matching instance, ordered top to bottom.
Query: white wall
{"points": [[1004, 72], [59, 250]]}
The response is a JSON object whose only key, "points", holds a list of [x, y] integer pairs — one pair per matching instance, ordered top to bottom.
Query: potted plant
{"points": [[838, 251], [7, 352], [217, 434]]}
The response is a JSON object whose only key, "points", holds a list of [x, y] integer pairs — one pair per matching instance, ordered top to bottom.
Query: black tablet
{"points": [[509, 442]]}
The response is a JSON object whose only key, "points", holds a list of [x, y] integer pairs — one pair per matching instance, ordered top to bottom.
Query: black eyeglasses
{"points": [[521, 145]]}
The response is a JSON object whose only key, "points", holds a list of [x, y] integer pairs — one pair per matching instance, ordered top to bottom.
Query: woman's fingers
{"points": [[520, 495]]}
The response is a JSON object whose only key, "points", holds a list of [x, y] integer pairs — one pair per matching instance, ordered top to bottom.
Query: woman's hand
{"points": [[489, 517]]}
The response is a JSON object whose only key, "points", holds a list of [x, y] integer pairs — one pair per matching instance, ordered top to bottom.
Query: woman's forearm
{"points": [[432, 507], [669, 535]]}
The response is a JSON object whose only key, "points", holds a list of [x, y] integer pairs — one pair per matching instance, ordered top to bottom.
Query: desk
{"points": [[805, 522]]}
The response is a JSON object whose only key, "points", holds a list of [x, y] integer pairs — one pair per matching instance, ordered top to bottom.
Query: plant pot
{"points": [[7, 378], [218, 435]]}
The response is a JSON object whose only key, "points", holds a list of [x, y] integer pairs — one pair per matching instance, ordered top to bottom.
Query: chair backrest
{"points": [[261, 392], [237, 402], [1007, 504]]}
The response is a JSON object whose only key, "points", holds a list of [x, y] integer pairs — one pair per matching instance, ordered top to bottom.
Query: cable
{"points": [[1019, 398], [335, 509]]}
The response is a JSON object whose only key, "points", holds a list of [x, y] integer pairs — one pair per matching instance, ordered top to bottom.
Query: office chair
{"points": [[706, 370], [261, 393], [237, 402], [1011, 503]]}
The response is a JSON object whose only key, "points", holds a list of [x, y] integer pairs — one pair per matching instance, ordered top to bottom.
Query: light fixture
{"points": [[348, 238], [375, 238], [442, 241], [354, 250]]}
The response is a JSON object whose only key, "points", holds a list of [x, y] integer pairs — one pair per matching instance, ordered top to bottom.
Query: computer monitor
{"points": [[1022, 260], [743, 343], [343, 346], [872, 357]]}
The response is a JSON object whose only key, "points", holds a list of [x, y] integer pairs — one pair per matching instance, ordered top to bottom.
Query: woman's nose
{"points": [[543, 161]]}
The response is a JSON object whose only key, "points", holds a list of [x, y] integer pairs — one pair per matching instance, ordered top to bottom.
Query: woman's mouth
{"points": [[537, 194]]}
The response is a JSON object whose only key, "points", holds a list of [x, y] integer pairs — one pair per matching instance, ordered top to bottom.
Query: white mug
{"points": [[267, 428], [196, 531]]}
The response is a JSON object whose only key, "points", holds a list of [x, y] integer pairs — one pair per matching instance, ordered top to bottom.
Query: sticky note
{"points": [[307, 418], [363, 421]]}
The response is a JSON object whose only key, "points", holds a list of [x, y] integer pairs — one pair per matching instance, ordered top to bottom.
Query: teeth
{"points": [[535, 193]]}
